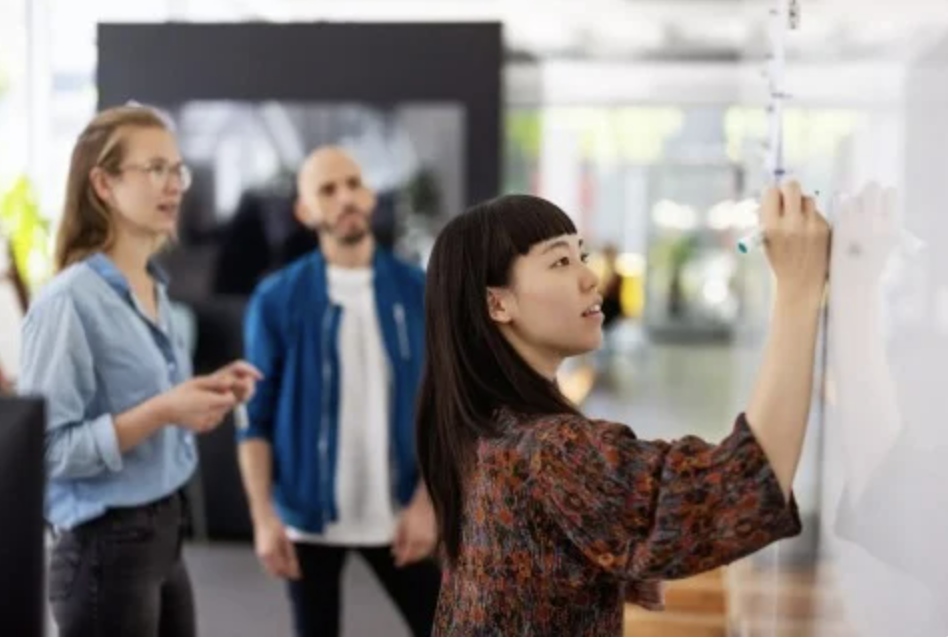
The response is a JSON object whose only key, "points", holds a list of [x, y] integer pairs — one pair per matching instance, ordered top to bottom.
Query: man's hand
{"points": [[417, 532], [275, 550]]}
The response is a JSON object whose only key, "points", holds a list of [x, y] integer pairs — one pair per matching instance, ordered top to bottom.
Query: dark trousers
{"points": [[123, 575], [316, 598]]}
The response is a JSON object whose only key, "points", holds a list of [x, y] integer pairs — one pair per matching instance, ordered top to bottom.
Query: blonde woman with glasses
{"points": [[122, 407]]}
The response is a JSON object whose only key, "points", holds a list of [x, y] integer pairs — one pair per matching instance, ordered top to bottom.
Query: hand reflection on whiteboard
{"points": [[866, 231], [889, 408]]}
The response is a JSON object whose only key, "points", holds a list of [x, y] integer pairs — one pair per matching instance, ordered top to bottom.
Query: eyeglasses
{"points": [[160, 173]]}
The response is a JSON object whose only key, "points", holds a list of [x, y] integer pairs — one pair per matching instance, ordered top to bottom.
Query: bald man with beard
{"points": [[327, 453]]}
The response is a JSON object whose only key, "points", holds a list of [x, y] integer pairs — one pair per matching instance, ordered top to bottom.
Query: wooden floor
{"points": [[693, 607]]}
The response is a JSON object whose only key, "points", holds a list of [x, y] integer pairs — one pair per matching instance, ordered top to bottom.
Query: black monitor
{"points": [[22, 486]]}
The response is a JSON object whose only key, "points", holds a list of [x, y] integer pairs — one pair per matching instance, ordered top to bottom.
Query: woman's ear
{"points": [[100, 184], [499, 305]]}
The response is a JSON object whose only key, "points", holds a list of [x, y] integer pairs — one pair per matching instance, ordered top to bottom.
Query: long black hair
{"points": [[470, 369]]}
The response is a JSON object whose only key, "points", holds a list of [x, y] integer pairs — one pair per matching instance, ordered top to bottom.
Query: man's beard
{"points": [[352, 238]]}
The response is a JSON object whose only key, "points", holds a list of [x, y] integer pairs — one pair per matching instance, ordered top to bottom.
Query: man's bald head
{"points": [[323, 160], [332, 196]]}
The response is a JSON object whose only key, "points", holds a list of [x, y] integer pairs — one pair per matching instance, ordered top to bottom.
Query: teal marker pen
{"points": [[751, 241]]}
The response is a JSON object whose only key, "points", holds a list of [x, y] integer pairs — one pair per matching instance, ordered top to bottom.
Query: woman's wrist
{"points": [[803, 303], [159, 410]]}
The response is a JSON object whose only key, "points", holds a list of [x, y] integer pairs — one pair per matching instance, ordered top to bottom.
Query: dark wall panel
{"points": [[168, 64]]}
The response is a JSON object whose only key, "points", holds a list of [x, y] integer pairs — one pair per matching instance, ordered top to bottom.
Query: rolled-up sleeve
{"points": [[262, 348], [57, 364], [657, 510]]}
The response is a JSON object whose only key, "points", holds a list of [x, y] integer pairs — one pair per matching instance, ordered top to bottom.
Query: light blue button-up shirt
{"points": [[92, 352]]}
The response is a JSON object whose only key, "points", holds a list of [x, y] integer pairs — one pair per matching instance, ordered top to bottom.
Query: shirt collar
{"points": [[106, 268]]}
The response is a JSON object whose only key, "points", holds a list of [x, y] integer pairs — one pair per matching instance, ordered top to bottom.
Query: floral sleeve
{"points": [[649, 510]]}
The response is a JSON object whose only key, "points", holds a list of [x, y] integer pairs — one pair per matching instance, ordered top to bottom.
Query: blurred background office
{"points": [[652, 122]]}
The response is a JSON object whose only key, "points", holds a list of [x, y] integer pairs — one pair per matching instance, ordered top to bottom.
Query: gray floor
{"points": [[660, 391], [668, 391], [235, 598]]}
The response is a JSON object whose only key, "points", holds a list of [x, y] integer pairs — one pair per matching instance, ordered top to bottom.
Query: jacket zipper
{"points": [[403, 343], [405, 348], [324, 425], [393, 474]]}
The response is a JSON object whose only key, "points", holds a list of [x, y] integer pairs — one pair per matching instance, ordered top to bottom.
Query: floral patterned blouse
{"points": [[567, 518]]}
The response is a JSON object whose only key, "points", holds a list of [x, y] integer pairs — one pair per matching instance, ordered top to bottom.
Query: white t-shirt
{"points": [[363, 484]]}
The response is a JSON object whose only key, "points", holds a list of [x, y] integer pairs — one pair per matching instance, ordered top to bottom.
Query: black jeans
{"points": [[123, 575], [316, 598]]}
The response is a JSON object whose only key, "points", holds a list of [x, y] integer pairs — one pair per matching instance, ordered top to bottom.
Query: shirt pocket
{"points": [[131, 373]]}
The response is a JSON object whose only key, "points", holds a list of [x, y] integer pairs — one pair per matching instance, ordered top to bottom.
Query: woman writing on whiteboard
{"points": [[122, 409], [550, 520]]}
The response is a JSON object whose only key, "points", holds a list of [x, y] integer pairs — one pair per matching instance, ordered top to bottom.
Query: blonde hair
{"points": [[87, 225]]}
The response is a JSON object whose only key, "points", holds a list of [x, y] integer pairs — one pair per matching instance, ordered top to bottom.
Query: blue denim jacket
{"points": [[291, 332], [91, 351]]}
